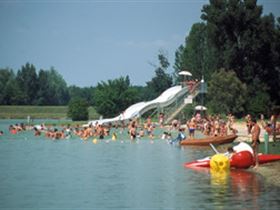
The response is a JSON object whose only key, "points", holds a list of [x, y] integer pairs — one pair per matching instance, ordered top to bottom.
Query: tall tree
{"points": [[232, 28], [235, 35], [245, 41], [197, 55], [5, 76], [162, 80], [28, 82], [58, 84], [52, 88], [45, 92], [10, 93], [86, 93], [226, 93], [14, 95]]}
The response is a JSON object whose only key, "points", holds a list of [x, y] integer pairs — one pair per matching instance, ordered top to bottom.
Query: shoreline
{"points": [[243, 135]]}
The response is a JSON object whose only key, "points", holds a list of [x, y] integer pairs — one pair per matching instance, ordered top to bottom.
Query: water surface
{"points": [[37, 173]]}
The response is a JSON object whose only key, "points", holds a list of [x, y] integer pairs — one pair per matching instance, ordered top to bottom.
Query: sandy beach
{"points": [[243, 134]]}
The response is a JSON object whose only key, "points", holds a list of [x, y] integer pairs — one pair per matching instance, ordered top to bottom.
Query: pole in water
{"points": [[28, 120], [266, 142]]}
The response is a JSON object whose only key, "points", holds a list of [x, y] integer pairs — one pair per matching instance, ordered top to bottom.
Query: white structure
{"points": [[136, 110]]}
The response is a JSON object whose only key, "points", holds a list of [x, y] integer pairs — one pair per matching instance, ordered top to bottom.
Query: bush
{"points": [[226, 93], [113, 97], [259, 103], [78, 110]]}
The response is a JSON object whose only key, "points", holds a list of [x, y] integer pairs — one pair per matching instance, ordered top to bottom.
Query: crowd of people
{"points": [[211, 125], [134, 129]]}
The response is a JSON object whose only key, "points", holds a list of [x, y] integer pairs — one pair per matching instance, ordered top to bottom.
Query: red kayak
{"points": [[242, 158]]}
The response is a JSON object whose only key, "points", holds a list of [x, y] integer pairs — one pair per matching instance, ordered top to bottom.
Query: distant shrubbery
{"points": [[48, 87], [78, 110]]}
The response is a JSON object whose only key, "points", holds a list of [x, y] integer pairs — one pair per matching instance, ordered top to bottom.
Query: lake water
{"points": [[37, 173]]}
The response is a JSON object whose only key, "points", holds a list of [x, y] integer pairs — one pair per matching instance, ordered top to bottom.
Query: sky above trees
{"points": [[92, 41]]}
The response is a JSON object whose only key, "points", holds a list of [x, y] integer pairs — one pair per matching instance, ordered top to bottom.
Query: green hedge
{"points": [[39, 112]]}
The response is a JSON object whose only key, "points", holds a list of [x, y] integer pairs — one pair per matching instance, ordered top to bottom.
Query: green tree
{"points": [[235, 35], [245, 41], [197, 55], [179, 63], [5, 76], [162, 80], [28, 82], [59, 85], [52, 88], [13, 92], [10, 93], [45, 93], [86, 93], [143, 93], [226, 93], [114, 96], [259, 100], [78, 110]]}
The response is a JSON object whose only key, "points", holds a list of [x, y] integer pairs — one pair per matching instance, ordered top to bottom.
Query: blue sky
{"points": [[92, 41]]}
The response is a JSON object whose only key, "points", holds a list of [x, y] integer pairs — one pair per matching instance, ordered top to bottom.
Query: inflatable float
{"points": [[206, 141], [242, 158]]}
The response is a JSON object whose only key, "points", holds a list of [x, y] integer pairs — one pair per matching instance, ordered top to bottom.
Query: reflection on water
{"points": [[72, 174], [219, 186], [241, 186], [246, 187], [239, 189]]}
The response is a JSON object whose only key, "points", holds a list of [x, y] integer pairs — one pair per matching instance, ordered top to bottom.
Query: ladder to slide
{"points": [[180, 105]]}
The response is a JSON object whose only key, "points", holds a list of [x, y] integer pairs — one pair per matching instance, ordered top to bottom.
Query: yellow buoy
{"points": [[114, 137], [94, 141], [219, 162], [219, 178]]}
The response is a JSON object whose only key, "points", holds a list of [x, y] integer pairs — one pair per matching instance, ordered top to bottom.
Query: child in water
{"points": [[114, 136], [180, 137]]}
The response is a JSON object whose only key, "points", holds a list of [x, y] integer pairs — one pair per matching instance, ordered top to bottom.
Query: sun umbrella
{"points": [[185, 73], [199, 107]]}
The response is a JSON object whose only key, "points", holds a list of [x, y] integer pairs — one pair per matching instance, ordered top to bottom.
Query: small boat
{"points": [[213, 140], [243, 158], [205, 163]]}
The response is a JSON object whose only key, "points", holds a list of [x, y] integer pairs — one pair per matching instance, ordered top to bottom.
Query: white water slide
{"points": [[136, 110]]}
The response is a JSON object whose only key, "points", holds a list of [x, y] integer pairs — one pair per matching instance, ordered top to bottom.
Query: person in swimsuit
{"points": [[191, 125], [256, 130], [181, 136]]}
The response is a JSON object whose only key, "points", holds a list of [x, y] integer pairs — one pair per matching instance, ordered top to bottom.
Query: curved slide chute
{"points": [[136, 110]]}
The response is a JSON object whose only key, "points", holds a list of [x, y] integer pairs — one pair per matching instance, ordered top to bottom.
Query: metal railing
{"points": [[172, 111]]}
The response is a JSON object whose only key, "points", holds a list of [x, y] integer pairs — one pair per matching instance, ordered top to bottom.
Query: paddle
{"points": [[213, 147]]}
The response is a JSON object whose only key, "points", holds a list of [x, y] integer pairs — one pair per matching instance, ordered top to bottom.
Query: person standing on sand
{"points": [[161, 119], [248, 119], [230, 123], [191, 126], [256, 130]]}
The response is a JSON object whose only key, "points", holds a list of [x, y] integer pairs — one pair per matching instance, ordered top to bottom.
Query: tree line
{"points": [[235, 48], [28, 86]]}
